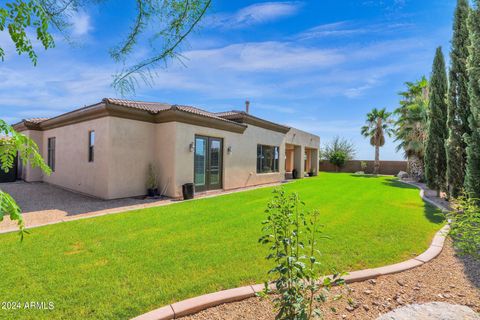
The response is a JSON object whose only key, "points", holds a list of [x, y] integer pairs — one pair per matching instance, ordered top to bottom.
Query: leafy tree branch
{"points": [[165, 23], [13, 144]]}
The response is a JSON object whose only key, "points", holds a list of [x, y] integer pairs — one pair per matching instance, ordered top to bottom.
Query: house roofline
{"points": [[105, 109], [244, 117]]}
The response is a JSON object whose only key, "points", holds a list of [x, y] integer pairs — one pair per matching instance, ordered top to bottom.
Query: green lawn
{"points": [[119, 266]]}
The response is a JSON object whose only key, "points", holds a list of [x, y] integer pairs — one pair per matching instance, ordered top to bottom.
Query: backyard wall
{"points": [[386, 167]]}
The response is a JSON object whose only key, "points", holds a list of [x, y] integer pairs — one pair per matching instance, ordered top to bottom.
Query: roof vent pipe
{"points": [[247, 106]]}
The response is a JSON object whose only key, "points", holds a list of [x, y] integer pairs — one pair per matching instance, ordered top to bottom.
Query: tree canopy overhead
{"points": [[165, 23]]}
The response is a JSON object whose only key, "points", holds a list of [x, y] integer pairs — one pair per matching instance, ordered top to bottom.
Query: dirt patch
{"points": [[447, 278]]}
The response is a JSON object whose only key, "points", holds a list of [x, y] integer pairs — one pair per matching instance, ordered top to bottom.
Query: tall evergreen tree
{"points": [[458, 101], [435, 156], [472, 174]]}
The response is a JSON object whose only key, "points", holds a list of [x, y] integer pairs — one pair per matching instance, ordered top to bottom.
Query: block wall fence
{"points": [[386, 167]]}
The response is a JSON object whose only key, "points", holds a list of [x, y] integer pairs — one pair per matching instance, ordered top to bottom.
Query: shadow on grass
{"points": [[365, 176], [392, 182], [432, 213]]}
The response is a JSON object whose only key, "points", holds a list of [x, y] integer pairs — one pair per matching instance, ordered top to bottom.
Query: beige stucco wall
{"points": [[299, 137], [301, 141], [124, 149], [131, 150], [166, 162], [240, 167], [72, 169], [30, 174]]}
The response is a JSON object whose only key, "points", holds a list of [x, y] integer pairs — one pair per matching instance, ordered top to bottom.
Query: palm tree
{"points": [[378, 124], [411, 126]]}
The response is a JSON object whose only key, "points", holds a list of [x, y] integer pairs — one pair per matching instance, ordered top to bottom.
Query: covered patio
{"points": [[301, 160]]}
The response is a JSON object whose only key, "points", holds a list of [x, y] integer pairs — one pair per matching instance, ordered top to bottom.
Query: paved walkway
{"points": [[44, 204], [432, 311]]}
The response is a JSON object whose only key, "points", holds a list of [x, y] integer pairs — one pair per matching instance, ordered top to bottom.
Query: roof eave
{"points": [[178, 115], [244, 117], [25, 125]]}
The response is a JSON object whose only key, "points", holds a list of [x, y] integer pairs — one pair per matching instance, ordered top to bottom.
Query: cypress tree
{"points": [[458, 102], [435, 155], [472, 174]]}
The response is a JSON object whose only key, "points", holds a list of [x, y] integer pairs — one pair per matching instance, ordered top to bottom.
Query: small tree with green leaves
{"points": [[13, 144], [338, 152], [435, 155], [465, 225], [292, 235]]}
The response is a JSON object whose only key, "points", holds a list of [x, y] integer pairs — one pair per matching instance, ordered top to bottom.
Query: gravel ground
{"points": [[37, 196], [43, 203], [46, 204], [447, 278]]}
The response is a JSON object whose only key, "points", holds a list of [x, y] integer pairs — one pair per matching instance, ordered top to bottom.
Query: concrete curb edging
{"points": [[197, 304]]}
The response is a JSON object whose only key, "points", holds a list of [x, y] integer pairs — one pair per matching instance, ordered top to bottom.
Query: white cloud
{"points": [[254, 14], [81, 24], [350, 28], [336, 29], [265, 56], [289, 70], [52, 88]]}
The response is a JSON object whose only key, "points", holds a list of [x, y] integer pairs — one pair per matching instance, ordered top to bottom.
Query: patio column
{"points": [[314, 157], [299, 161]]}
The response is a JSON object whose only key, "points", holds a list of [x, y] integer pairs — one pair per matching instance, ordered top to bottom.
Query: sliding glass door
{"points": [[208, 163]]}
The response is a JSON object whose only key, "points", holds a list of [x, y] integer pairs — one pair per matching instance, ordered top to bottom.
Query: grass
{"points": [[122, 265]]}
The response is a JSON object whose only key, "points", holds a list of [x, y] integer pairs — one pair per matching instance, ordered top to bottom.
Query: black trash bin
{"points": [[294, 174], [188, 191]]}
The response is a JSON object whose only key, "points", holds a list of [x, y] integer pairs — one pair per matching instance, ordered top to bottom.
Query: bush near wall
{"points": [[386, 167]]}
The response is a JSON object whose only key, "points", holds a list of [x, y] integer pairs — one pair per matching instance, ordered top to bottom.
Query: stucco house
{"points": [[104, 150]]}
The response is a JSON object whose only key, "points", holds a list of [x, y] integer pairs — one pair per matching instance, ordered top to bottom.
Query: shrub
{"points": [[338, 151], [338, 159], [363, 165], [152, 180], [465, 225], [292, 235]]}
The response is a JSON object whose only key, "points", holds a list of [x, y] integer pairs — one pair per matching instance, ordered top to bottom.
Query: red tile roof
{"points": [[155, 107], [233, 116], [35, 120]]}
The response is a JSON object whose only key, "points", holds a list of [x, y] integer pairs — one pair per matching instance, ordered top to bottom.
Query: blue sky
{"points": [[316, 65]]}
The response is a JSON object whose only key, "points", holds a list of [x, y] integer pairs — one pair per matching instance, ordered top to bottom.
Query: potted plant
{"points": [[152, 182]]}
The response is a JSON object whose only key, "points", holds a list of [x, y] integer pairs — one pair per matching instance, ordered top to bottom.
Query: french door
{"points": [[208, 163]]}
